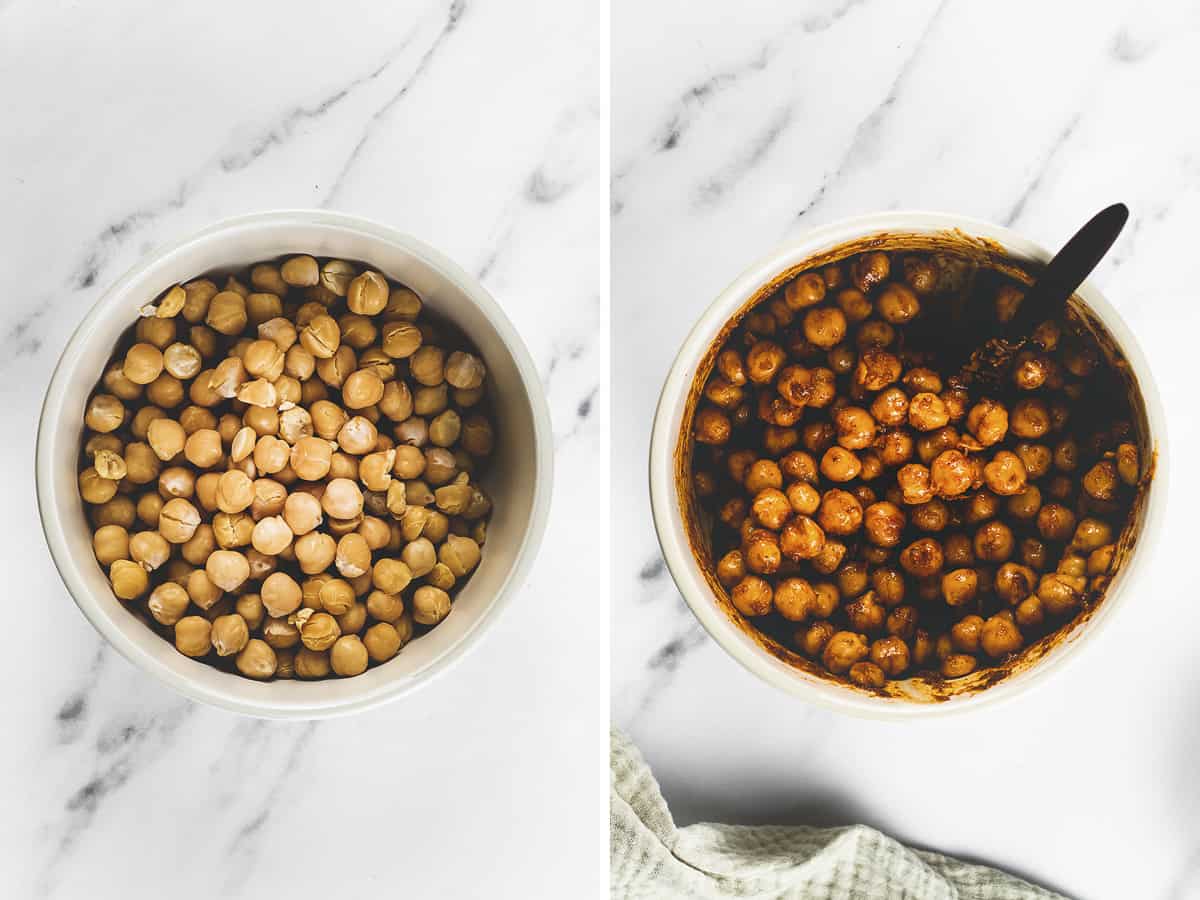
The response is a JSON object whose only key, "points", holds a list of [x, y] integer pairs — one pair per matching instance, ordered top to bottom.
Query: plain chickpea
{"points": [[310, 458], [94, 488], [178, 520], [315, 552], [227, 569], [430, 605], [193, 636]]}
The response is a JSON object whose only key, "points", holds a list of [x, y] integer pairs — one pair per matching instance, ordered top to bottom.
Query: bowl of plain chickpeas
{"points": [[295, 465], [863, 527]]}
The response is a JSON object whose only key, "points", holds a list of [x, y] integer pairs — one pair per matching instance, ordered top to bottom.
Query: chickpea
{"points": [[869, 270], [804, 291], [898, 304], [876, 370], [927, 412], [1030, 418], [856, 430], [896, 449], [1127, 463], [839, 464], [951, 474], [1005, 474], [1100, 482], [916, 484], [840, 513], [1055, 522], [884, 524], [1091, 534], [801, 538], [994, 542], [314, 552], [762, 552], [922, 558], [731, 568], [960, 586], [1060, 594], [752, 596], [794, 598], [866, 613], [193, 636], [813, 639], [843, 650], [891, 655], [956, 665], [867, 675]]}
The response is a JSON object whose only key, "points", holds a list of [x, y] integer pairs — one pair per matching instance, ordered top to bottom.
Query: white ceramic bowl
{"points": [[669, 462], [519, 479]]}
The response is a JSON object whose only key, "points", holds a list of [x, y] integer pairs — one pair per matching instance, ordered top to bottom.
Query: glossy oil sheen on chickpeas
{"points": [[281, 468], [886, 518]]}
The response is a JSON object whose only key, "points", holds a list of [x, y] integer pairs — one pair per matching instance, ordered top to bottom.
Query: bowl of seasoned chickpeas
{"points": [[294, 465], [864, 526]]}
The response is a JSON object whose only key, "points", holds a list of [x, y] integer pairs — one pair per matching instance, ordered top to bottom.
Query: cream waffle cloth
{"points": [[651, 859]]}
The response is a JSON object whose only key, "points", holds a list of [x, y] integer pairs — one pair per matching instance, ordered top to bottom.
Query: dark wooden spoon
{"points": [[1046, 298]]}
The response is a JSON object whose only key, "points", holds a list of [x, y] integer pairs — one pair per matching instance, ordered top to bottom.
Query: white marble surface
{"points": [[478, 127], [734, 130]]}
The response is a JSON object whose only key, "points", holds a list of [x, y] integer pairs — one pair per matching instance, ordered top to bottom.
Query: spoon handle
{"points": [[1064, 273]]}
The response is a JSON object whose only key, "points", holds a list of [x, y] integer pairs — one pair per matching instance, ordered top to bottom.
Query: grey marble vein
{"points": [[453, 17], [864, 146], [1043, 166], [715, 186], [123, 747], [242, 849]]}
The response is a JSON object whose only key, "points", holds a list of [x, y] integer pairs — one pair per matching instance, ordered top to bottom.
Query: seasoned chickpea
{"points": [[869, 270], [804, 291], [898, 303], [825, 327], [876, 370], [927, 412], [1030, 418], [988, 422], [839, 464], [951, 473], [1005, 474], [1101, 480], [916, 484], [840, 513], [1055, 522], [884, 524], [801, 538], [994, 542], [922, 558], [731, 568], [960, 586], [752, 596], [794, 599], [813, 639], [843, 650], [891, 655]]}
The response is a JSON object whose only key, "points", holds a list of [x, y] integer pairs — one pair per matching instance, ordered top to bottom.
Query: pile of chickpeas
{"points": [[281, 472], [888, 519]]}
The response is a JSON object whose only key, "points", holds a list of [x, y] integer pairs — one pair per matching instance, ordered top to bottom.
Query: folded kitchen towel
{"points": [[649, 857]]}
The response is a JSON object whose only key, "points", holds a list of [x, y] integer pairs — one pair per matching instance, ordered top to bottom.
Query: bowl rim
{"points": [[68, 566], [685, 569]]}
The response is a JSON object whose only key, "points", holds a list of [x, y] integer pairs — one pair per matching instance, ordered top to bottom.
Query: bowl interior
{"points": [[518, 479], [776, 661]]}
